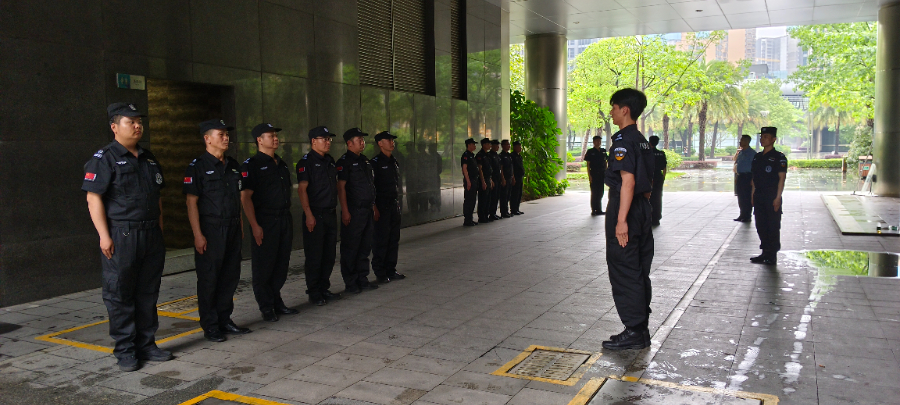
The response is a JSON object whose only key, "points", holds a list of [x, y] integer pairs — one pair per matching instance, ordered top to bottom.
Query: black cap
{"points": [[123, 109], [214, 124], [263, 128], [769, 130], [319, 132], [353, 133], [384, 135], [596, 137], [470, 140], [485, 140], [505, 141], [495, 142], [517, 143]]}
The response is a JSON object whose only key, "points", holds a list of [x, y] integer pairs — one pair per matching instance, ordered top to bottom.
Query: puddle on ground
{"points": [[850, 262]]}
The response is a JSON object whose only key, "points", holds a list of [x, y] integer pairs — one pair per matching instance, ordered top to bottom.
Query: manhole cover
{"points": [[179, 307], [550, 365]]}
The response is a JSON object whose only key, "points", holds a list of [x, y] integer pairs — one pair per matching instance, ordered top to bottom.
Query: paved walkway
{"points": [[476, 298]]}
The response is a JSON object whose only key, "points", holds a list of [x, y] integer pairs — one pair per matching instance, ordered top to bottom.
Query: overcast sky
{"points": [[771, 32]]}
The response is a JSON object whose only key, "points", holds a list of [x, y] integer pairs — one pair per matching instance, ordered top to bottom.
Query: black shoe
{"points": [[520, 213], [594, 213], [601, 213], [505, 216], [495, 218], [739, 219], [747, 220], [470, 223], [757, 259], [769, 261], [396, 276], [383, 280], [368, 286], [352, 289], [330, 296], [318, 301], [284, 310], [270, 316], [231, 329], [213, 335], [647, 337], [627, 340], [155, 354], [129, 363]]}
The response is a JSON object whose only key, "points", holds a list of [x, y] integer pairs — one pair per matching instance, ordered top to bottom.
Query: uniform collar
{"points": [[120, 150], [382, 155], [209, 158], [266, 158]]}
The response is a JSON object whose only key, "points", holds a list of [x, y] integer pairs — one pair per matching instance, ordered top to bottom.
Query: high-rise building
{"points": [[736, 46], [576, 47], [768, 52]]}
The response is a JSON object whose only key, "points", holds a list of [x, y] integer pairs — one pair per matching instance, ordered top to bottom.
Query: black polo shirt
{"points": [[631, 153], [598, 158], [468, 160], [484, 161], [506, 162], [660, 163], [518, 164], [495, 165], [765, 169], [357, 172], [320, 174], [387, 179], [270, 180], [217, 183], [129, 185]]}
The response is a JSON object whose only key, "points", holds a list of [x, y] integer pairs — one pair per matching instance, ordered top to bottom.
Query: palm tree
{"points": [[720, 91], [824, 117]]}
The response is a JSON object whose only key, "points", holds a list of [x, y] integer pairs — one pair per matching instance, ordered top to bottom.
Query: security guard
{"points": [[483, 158], [596, 164], [506, 167], [768, 170], [471, 171], [498, 178], [659, 179], [122, 182], [212, 183], [743, 186], [317, 188], [356, 192], [266, 197], [515, 198], [387, 210], [629, 236]]}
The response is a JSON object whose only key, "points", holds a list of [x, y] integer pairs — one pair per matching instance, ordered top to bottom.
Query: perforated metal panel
{"points": [[457, 49], [410, 60], [376, 63], [550, 365]]}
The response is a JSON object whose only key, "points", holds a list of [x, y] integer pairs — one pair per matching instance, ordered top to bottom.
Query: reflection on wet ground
{"points": [[722, 180], [851, 262]]}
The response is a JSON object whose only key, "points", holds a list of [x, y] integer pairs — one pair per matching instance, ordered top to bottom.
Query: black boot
{"points": [[630, 339]]}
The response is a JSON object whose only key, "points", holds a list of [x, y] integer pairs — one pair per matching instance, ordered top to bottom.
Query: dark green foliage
{"points": [[536, 128], [861, 145], [816, 163], [841, 262]]}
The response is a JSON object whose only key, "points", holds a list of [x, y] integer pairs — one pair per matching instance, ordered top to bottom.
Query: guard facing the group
{"points": [[596, 159], [486, 164], [506, 167], [769, 169], [659, 179], [498, 180], [123, 182], [473, 182], [212, 183], [743, 187], [317, 189], [356, 192], [515, 193], [266, 197], [387, 210], [629, 236]]}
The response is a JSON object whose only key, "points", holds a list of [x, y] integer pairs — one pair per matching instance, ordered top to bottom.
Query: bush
{"points": [[536, 128], [861, 145], [730, 150], [569, 157], [673, 159], [816, 163], [573, 166]]}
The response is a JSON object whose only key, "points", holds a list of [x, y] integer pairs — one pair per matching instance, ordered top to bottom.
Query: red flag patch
{"points": [[340, 168], [301, 169], [244, 174], [90, 176], [188, 180]]}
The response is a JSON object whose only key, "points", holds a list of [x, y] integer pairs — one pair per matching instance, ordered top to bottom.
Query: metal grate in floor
{"points": [[549, 364]]}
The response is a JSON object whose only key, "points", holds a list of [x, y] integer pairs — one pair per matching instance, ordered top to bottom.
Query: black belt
{"points": [[317, 210], [273, 212], [221, 221], [135, 224]]}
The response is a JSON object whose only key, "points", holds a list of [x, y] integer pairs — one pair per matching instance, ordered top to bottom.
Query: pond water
{"points": [[723, 180]]}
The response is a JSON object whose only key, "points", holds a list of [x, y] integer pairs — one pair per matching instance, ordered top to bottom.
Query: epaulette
{"points": [[99, 154], [304, 156], [247, 161], [192, 162]]}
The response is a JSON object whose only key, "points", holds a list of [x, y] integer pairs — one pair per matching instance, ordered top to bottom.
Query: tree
{"points": [[517, 68], [768, 108], [536, 128]]}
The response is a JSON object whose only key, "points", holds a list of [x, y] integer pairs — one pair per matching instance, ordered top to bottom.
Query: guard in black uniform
{"points": [[596, 158], [486, 164], [506, 167], [768, 171], [659, 179], [472, 181], [122, 182], [499, 182], [212, 183], [317, 188], [356, 192], [266, 197], [515, 197], [387, 210], [629, 236]]}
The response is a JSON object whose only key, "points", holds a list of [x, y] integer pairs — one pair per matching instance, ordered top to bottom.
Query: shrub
{"points": [[536, 128], [861, 144], [673, 160], [816, 163], [573, 166]]}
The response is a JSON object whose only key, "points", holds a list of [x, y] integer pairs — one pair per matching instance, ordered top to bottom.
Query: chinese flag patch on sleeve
{"points": [[340, 168], [301, 169], [244, 174], [90, 176], [188, 180]]}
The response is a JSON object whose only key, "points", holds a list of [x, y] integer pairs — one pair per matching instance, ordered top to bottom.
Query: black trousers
{"points": [[743, 188], [597, 191], [470, 195], [495, 195], [515, 195], [504, 196], [656, 200], [484, 201], [768, 225], [387, 240], [356, 244], [319, 250], [271, 258], [629, 266], [218, 271], [131, 287]]}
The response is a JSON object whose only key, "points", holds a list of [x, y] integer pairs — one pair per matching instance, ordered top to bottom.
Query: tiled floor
{"points": [[477, 297]]}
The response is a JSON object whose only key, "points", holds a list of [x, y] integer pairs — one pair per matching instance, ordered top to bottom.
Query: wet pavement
{"points": [[722, 180], [724, 331]]}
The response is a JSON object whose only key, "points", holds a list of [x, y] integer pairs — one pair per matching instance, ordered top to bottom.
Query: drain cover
{"points": [[181, 306], [550, 365]]}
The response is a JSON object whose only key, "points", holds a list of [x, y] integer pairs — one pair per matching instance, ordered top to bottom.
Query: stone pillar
{"points": [[545, 81], [886, 145]]}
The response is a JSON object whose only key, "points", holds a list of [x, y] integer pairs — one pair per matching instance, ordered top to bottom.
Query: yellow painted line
{"points": [[166, 313], [53, 337], [572, 380], [587, 392], [227, 396], [767, 399]]}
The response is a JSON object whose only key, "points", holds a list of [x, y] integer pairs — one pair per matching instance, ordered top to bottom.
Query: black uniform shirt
{"points": [[631, 153], [597, 158], [468, 159], [484, 161], [506, 161], [660, 163], [495, 165], [518, 165], [765, 169], [319, 171], [357, 172], [387, 179], [270, 180], [217, 184], [129, 185]]}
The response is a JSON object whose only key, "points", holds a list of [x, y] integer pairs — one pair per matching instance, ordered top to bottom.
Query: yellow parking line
{"points": [[572, 380], [587, 392], [227, 396], [767, 399]]}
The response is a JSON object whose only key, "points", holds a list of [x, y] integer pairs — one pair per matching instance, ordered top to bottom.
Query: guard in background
{"points": [[596, 164], [506, 167], [769, 169], [487, 174], [659, 178], [497, 179], [122, 182], [473, 182], [212, 183], [743, 187], [317, 189], [356, 192], [266, 197], [515, 197], [387, 210], [629, 236]]}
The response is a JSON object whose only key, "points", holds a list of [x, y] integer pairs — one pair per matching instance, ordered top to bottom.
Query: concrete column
{"points": [[545, 81], [886, 145]]}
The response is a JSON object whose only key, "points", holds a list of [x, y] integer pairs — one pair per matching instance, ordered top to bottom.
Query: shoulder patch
{"points": [[619, 153], [99, 154], [304, 156], [247, 161], [192, 163]]}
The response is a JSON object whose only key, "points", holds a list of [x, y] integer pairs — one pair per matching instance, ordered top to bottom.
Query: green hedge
{"points": [[815, 163]]}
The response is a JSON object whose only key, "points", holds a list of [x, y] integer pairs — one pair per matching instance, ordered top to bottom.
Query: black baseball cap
{"points": [[123, 109], [214, 124], [263, 128], [769, 130], [319, 132], [353, 133], [384, 135], [596, 137], [470, 140], [485, 140], [505, 141], [495, 142], [517, 143]]}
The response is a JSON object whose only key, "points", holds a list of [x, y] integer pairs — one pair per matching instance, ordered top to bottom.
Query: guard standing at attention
{"points": [[596, 158], [484, 160], [506, 167], [769, 169], [498, 178], [659, 179], [122, 182], [473, 182], [212, 183], [743, 187], [317, 188], [356, 192], [266, 197], [515, 197], [387, 210], [629, 236]]}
